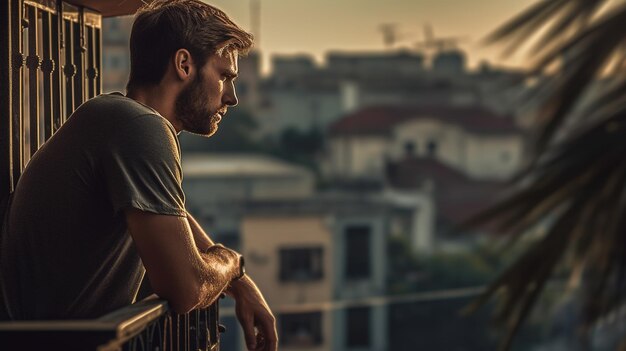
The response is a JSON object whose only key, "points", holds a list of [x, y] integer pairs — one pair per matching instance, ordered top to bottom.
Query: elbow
{"points": [[182, 300], [182, 306]]}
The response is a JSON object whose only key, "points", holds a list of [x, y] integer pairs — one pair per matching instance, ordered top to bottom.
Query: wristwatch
{"points": [[242, 268]]}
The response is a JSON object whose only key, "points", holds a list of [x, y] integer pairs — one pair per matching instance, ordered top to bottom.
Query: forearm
{"points": [[201, 238], [217, 274], [220, 285]]}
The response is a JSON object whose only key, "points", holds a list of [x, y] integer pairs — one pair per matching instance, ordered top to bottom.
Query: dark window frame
{"points": [[357, 252], [301, 264], [289, 324], [358, 327]]}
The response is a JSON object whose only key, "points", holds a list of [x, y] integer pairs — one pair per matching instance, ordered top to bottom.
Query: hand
{"points": [[254, 315]]}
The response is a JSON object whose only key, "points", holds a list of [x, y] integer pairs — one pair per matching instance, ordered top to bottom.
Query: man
{"points": [[102, 199]]}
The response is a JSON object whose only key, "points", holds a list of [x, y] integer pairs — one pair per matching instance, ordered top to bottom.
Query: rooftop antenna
{"points": [[390, 34], [439, 44]]}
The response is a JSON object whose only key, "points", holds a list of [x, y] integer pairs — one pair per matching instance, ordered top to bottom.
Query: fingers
{"points": [[249, 334], [269, 335], [260, 342], [272, 344]]}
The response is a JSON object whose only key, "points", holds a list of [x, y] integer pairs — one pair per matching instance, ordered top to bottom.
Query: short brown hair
{"points": [[162, 27]]}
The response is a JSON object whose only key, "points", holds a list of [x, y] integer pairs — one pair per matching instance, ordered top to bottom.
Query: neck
{"points": [[157, 98]]}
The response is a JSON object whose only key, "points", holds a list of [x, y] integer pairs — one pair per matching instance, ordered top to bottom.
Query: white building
{"points": [[470, 139]]}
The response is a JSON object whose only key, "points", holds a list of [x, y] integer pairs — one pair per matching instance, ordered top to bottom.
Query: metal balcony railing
{"points": [[50, 63], [146, 325]]}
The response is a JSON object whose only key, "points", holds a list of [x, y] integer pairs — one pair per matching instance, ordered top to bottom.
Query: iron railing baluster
{"points": [[98, 39], [78, 50], [6, 60], [33, 62], [48, 66], [69, 69], [92, 70], [57, 88], [16, 90], [213, 323], [203, 330]]}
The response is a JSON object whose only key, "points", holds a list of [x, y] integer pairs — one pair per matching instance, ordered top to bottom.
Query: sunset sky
{"points": [[298, 26]]}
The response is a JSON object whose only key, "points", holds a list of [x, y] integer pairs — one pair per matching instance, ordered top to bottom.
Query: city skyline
{"points": [[289, 27]]}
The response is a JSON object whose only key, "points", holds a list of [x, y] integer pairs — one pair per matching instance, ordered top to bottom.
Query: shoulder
{"points": [[114, 104], [118, 116], [150, 123], [147, 134]]}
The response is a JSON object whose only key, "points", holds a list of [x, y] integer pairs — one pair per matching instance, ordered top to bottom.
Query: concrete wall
{"points": [[297, 108], [357, 156], [481, 156], [493, 157], [213, 189], [262, 238]]}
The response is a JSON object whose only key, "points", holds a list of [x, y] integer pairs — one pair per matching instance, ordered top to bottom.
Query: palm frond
{"points": [[574, 189], [586, 202]]}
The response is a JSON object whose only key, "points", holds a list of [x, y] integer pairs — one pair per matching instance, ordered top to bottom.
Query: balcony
{"points": [[51, 62], [146, 325]]}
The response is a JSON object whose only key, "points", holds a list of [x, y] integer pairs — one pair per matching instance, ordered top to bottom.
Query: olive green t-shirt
{"points": [[66, 252]]}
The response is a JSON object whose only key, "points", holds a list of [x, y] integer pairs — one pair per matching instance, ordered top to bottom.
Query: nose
{"points": [[230, 95]]}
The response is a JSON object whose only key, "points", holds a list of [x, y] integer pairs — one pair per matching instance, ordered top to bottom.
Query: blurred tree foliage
{"points": [[236, 134], [302, 147], [575, 183], [446, 270], [438, 323]]}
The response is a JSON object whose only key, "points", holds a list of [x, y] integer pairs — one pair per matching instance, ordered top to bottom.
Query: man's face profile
{"points": [[201, 105]]}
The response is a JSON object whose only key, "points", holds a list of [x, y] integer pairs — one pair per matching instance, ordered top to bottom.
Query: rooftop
{"points": [[379, 120], [238, 165]]}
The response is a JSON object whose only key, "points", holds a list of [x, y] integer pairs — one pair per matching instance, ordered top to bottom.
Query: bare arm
{"points": [[201, 238], [178, 272], [251, 308]]}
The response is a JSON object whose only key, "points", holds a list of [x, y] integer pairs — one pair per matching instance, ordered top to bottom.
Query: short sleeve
{"points": [[142, 168]]}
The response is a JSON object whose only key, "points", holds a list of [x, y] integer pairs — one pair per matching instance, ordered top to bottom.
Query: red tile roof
{"points": [[380, 120]]}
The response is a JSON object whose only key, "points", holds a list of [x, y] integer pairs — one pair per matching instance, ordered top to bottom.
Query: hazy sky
{"points": [[315, 26]]}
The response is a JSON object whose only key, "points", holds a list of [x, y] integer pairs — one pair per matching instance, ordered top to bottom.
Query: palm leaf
{"points": [[574, 188]]}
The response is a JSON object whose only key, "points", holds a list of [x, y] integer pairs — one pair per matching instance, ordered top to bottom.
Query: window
{"points": [[409, 148], [432, 148], [357, 252], [301, 264], [358, 327], [300, 329]]}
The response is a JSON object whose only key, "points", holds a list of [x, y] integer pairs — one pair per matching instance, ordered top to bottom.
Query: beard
{"points": [[193, 112]]}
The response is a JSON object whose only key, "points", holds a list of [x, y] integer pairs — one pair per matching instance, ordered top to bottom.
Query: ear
{"points": [[183, 64]]}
